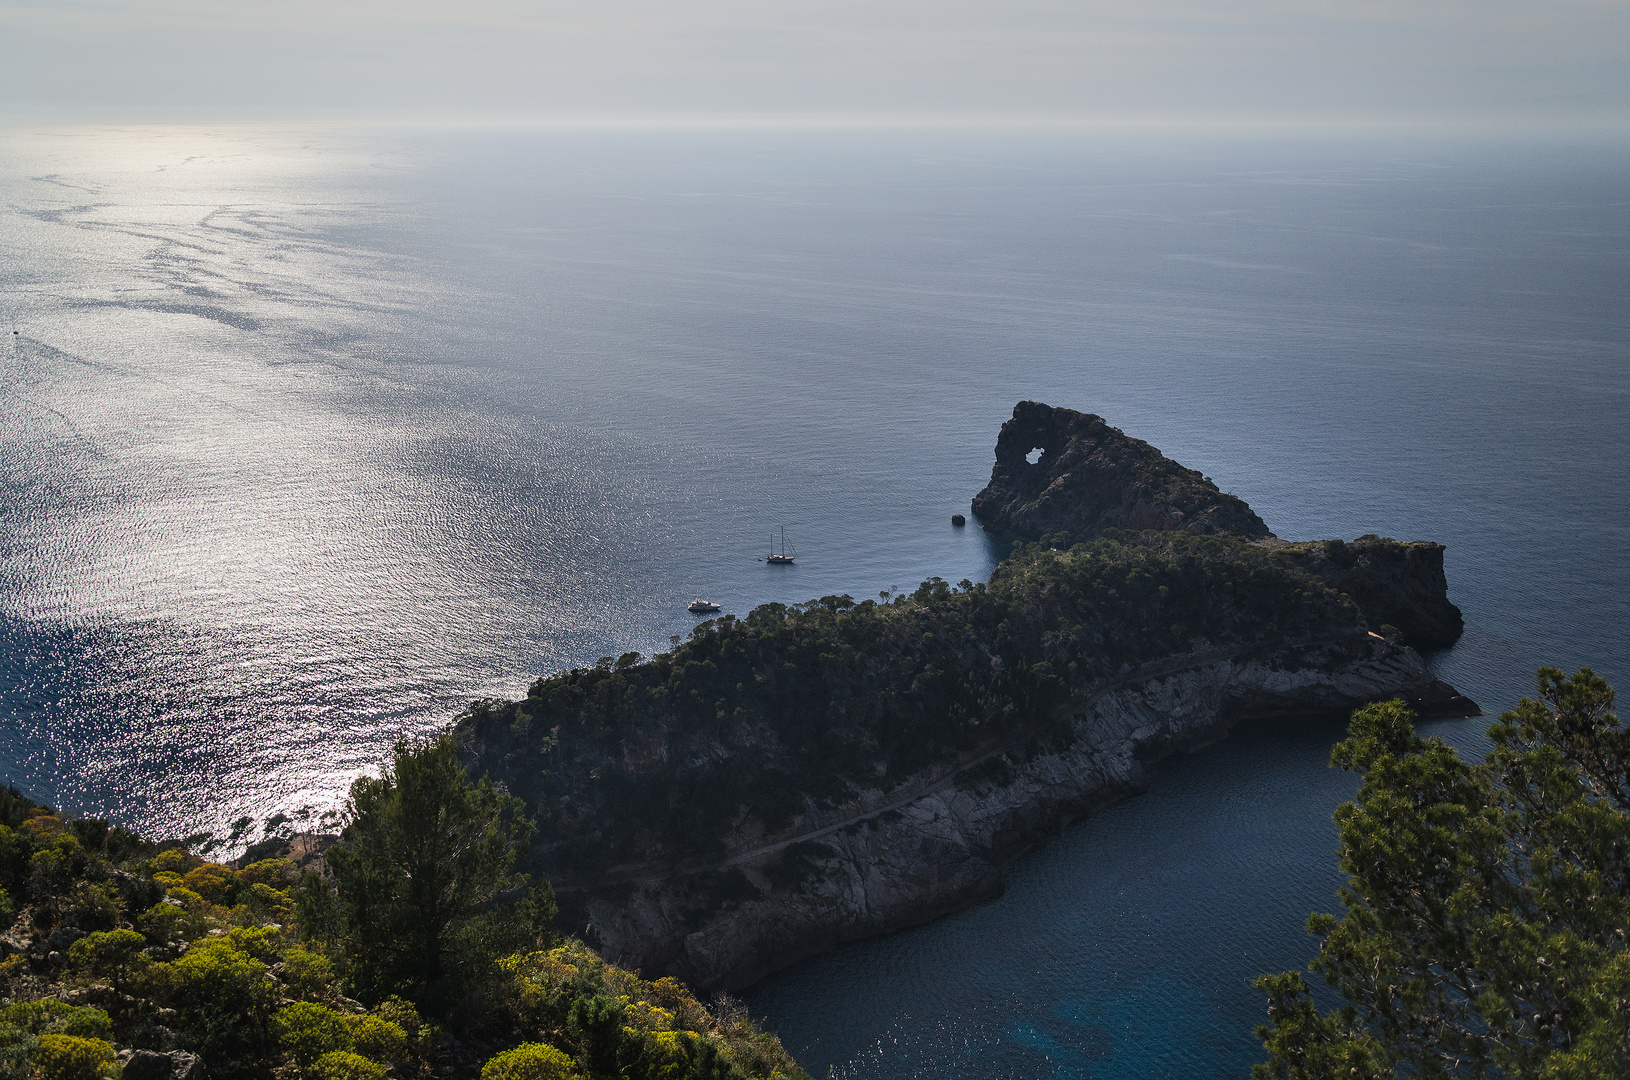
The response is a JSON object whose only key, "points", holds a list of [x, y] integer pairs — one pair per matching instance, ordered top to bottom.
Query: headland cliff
{"points": [[1089, 478], [812, 774]]}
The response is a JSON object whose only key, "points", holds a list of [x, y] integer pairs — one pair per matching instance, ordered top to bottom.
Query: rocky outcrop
{"points": [[1090, 477], [1394, 583], [897, 858], [152, 1065]]}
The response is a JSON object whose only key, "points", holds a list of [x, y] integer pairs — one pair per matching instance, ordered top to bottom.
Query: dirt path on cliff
{"points": [[903, 801]]}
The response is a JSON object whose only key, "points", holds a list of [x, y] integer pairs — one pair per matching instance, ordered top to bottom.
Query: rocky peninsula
{"points": [[1089, 478], [828, 771]]}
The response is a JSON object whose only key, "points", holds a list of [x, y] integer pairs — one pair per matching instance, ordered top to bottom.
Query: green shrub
{"points": [[92, 833], [121, 845], [175, 861], [55, 869], [276, 873], [214, 882], [189, 899], [268, 903], [88, 906], [315, 908], [163, 923], [264, 943], [113, 953], [214, 973], [307, 974], [223, 995], [402, 1014], [52, 1017], [597, 1021], [309, 1031], [377, 1038], [16, 1047], [65, 1057], [530, 1061], [343, 1065]]}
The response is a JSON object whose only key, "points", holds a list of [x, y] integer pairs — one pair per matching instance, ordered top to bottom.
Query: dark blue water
{"points": [[311, 436]]}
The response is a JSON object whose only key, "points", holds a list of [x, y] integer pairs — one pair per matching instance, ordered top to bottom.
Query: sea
{"points": [[312, 434]]}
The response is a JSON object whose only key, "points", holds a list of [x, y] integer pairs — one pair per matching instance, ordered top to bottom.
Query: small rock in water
{"points": [[958, 520]]}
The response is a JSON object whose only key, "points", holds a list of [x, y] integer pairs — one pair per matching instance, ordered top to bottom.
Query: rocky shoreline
{"points": [[897, 863]]}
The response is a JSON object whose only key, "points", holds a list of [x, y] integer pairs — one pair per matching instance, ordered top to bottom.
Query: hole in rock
{"points": [[1034, 456]]}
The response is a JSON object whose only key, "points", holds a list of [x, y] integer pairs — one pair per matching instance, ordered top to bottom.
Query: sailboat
{"points": [[783, 559]]}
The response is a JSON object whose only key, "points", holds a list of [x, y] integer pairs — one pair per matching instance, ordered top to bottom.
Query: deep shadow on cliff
{"points": [[1090, 478]]}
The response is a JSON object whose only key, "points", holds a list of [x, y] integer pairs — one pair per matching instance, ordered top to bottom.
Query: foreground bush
{"points": [[1486, 905], [258, 970]]}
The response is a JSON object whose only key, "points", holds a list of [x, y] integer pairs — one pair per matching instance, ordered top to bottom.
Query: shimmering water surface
{"points": [[308, 437]]}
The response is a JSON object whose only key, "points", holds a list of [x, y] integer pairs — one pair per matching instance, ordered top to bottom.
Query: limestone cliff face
{"points": [[1091, 477], [939, 841]]}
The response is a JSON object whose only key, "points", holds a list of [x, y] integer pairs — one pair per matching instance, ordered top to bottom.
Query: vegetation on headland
{"points": [[797, 707], [1486, 906], [420, 952]]}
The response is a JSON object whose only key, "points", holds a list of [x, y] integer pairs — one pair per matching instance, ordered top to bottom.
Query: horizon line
{"points": [[1614, 122]]}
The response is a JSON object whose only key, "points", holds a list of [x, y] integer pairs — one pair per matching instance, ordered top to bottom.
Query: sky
{"points": [[1533, 62]]}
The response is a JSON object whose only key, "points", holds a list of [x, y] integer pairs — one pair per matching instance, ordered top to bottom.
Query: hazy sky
{"points": [[1530, 60]]}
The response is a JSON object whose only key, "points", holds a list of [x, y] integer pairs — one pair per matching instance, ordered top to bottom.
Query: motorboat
{"points": [[701, 607]]}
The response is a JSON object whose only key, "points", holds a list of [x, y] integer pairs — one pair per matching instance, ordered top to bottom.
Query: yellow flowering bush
{"points": [[43, 826], [546, 970], [644, 1016], [66, 1057], [530, 1061], [344, 1065]]}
